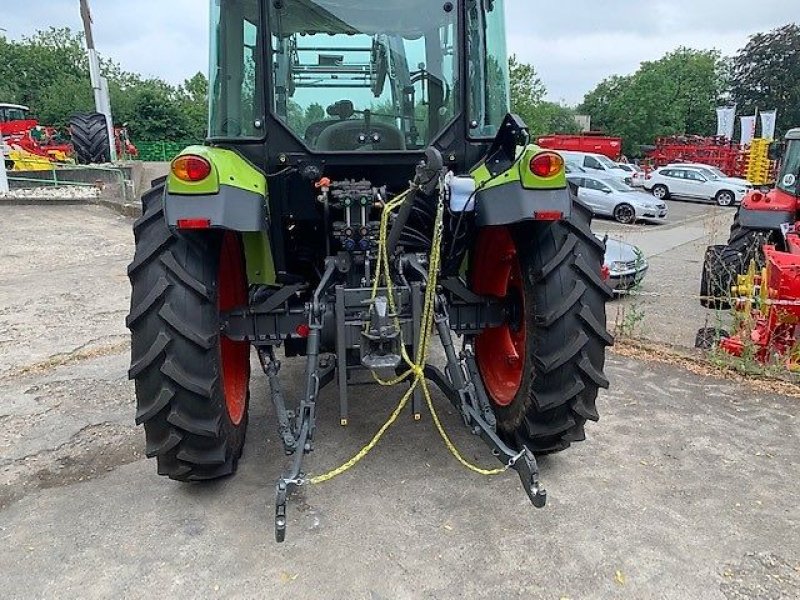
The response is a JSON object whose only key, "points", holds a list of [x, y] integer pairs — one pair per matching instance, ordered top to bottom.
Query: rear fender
{"points": [[508, 191], [234, 197]]}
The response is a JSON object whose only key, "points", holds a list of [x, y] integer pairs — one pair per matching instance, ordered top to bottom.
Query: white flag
{"points": [[768, 119], [726, 121], [748, 129]]}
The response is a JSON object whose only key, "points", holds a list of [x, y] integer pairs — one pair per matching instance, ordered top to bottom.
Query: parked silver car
{"points": [[610, 197], [625, 264]]}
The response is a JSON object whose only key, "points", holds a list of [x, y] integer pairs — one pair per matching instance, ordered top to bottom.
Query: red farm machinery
{"points": [[595, 143], [29, 146], [750, 162], [757, 272]]}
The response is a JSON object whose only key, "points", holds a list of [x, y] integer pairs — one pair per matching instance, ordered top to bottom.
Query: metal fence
{"points": [[159, 151], [110, 181]]}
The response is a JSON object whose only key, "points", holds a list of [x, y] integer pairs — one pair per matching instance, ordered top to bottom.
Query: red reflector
{"points": [[546, 164], [191, 168], [548, 215], [194, 223], [605, 273], [303, 330]]}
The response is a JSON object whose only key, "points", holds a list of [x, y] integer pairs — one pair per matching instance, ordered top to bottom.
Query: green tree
{"points": [[49, 72], [766, 75], [527, 91], [674, 95], [527, 100], [194, 104], [555, 118]]}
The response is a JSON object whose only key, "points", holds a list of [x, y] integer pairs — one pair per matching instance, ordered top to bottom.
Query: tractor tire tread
{"points": [[89, 134], [562, 262], [174, 326]]}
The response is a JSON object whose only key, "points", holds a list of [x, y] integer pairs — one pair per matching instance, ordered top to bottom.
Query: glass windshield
{"points": [[236, 74], [352, 75], [12, 114], [607, 162], [709, 174], [788, 179], [617, 186]]}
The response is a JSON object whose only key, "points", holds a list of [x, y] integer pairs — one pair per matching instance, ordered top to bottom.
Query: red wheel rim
{"points": [[500, 351], [234, 356]]}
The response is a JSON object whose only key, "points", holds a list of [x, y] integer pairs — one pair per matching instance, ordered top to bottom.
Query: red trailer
{"points": [[588, 142]]}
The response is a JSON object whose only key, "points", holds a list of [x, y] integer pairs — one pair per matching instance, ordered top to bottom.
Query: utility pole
{"points": [[102, 99], [3, 174]]}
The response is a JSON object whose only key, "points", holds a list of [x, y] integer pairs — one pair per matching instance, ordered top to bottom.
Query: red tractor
{"points": [[758, 270]]}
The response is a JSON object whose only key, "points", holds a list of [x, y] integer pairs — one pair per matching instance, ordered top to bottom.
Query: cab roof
{"points": [[18, 106], [793, 134]]}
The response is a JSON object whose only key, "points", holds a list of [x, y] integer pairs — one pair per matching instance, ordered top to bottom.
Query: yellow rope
{"points": [[417, 366]]}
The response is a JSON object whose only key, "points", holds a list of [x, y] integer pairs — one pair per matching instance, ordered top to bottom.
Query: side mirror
{"points": [[776, 150], [606, 191]]}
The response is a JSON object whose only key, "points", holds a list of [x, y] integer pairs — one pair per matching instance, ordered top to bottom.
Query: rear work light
{"points": [[546, 164], [191, 168], [194, 223]]}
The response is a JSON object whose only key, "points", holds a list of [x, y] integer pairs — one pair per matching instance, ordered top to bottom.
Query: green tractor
{"points": [[363, 187]]}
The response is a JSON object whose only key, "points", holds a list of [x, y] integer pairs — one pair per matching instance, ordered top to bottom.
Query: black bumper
{"points": [[511, 203], [231, 208]]}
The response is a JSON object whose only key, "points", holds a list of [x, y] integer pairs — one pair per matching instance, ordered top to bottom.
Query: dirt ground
{"points": [[686, 488]]}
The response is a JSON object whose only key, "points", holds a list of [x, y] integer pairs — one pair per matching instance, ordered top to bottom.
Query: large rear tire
{"points": [[90, 138], [749, 243], [721, 266], [543, 369], [192, 383]]}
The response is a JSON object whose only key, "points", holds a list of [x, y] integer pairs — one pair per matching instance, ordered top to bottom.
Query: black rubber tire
{"points": [[90, 138], [661, 187], [625, 214], [750, 242], [721, 266], [565, 317], [708, 337], [175, 349]]}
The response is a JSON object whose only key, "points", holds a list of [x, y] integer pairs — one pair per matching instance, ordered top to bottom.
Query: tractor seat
{"points": [[344, 135]]}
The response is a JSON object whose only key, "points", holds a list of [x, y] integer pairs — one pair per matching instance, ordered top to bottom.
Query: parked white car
{"points": [[597, 164], [714, 171], [635, 172], [685, 182], [609, 197]]}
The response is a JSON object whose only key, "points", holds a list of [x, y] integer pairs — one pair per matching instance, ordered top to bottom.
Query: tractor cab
{"points": [[335, 77], [15, 119], [789, 175]]}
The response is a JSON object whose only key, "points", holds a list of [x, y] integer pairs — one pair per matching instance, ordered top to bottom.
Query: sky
{"points": [[574, 44]]}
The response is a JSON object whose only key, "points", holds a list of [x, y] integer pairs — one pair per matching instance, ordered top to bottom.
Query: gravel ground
{"points": [[685, 489]]}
